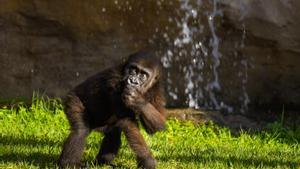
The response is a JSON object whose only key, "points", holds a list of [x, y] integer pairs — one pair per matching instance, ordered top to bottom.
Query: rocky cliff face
{"points": [[218, 54]]}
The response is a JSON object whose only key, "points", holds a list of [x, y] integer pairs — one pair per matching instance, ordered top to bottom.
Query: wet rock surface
{"points": [[50, 46]]}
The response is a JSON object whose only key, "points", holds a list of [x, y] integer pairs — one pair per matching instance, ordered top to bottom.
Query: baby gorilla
{"points": [[112, 101]]}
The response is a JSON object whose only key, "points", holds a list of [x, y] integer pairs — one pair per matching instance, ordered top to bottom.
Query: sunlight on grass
{"points": [[31, 137]]}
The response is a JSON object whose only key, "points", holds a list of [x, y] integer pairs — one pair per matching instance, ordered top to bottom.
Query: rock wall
{"points": [[272, 44], [50, 46]]}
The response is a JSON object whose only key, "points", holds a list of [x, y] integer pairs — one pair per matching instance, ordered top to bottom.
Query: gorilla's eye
{"points": [[143, 76]]}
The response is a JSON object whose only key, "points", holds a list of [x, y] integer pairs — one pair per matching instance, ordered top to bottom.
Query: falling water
{"points": [[216, 56], [201, 60], [244, 75]]}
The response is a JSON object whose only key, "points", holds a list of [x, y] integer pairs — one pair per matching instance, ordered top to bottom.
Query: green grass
{"points": [[31, 137]]}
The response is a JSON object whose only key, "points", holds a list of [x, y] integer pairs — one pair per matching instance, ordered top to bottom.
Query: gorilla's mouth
{"points": [[133, 81]]}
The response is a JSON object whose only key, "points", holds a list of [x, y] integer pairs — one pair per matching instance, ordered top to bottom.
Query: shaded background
{"points": [[239, 56]]}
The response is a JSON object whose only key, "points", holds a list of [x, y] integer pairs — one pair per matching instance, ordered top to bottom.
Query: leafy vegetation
{"points": [[32, 136]]}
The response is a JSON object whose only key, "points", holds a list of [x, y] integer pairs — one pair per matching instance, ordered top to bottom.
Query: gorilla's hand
{"points": [[133, 98]]}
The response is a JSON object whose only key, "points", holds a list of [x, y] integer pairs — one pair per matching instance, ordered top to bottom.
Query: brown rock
{"points": [[50, 46]]}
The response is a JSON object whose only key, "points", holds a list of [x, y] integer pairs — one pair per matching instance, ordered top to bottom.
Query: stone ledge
{"points": [[202, 117]]}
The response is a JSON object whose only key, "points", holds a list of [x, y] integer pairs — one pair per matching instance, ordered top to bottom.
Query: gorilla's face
{"points": [[141, 75], [136, 76]]}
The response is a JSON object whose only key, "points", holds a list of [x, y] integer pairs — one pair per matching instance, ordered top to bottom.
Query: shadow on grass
{"points": [[31, 141], [39, 159], [43, 160], [247, 162]]}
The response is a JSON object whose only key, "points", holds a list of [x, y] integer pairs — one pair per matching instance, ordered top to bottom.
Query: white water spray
{"points": [[199, 60]]}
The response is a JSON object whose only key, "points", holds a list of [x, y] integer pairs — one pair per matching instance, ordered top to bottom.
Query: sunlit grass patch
{"points": [[32, 136]]}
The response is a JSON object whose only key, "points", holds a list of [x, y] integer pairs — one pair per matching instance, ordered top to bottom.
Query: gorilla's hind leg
{"points": [[74, 144], [138, 144], [109, 147], [73, 149]]}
